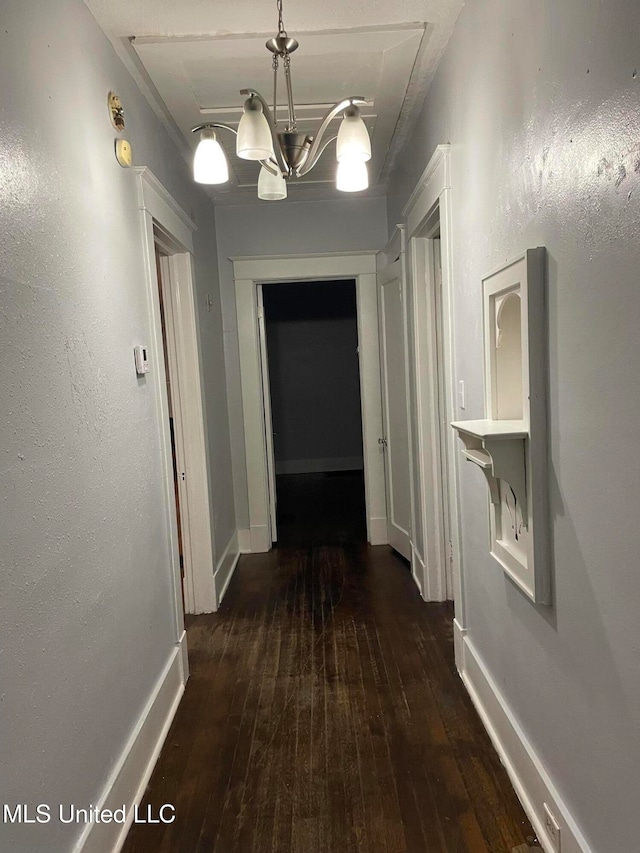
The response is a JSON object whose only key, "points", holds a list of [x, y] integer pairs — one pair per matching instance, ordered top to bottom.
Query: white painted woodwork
{"points": [[160, 211], [250, 271], [395, 405], [268, 420], [444, 437], [510, 445], [436, 535], [521, 758], [133, 766]]}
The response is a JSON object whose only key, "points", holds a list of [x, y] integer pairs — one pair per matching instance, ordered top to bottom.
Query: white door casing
{"points": [[160, 211], [428, 214], [248, 273], [268, 420], [445, 433], [396, 435]]}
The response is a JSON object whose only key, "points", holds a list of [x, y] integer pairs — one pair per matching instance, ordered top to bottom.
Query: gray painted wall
{"points": [[541, 104], [274, 228], [312, 343], [87, 621]]}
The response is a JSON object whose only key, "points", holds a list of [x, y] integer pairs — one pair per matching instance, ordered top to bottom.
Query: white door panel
{"points": [[395, 408], [268, 423]]}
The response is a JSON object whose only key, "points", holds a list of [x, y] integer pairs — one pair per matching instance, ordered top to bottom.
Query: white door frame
{"points": [[430, 203], [160, 213], [393, 253], [248, 272], [268, 419]]}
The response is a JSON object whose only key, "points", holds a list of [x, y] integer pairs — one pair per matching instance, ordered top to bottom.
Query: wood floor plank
{"points": [[324, 714]]}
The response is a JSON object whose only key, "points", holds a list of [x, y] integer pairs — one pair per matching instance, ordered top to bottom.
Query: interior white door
{"points": [[268, 423], [395, 440]]}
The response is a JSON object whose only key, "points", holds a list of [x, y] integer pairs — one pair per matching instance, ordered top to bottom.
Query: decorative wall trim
{"points": [[438, 173], [155, 198], [319, 466], [225, 568], [131, 775], [531, 781]]}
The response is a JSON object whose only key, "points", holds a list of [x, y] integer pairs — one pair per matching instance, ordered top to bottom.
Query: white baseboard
{"points": [[317, 466], [378, 531], [260, 539], [256, 540], [244, 541], [226, 567], [417, 570], [459, 633], [133, 770], [531, 781]]}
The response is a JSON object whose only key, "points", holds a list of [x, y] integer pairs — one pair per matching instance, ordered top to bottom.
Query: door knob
{"points": [[382, 442]]}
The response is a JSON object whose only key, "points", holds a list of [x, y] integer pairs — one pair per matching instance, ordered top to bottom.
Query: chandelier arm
{"points": [[213, 124], [317, 148], [277, 150], [270, 166], [303, 170]]}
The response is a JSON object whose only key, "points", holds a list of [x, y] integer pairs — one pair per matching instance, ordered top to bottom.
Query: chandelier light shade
{"points": [[254, 134], [353, 139], [284, 151], [210, 163], [352, 176], [271, 187]]}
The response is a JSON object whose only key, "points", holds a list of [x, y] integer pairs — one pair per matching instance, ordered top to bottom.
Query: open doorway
{"points": [[168, 351], [436, 396], [313, 405]]}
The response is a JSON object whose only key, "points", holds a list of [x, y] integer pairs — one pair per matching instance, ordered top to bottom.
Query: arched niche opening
{"points": [[508, 397]]}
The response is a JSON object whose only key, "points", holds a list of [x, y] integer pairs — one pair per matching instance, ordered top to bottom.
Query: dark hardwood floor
{"points": [[324, 714]]}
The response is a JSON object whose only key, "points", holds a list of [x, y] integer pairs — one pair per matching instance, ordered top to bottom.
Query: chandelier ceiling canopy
{"points": [[286, 153]]}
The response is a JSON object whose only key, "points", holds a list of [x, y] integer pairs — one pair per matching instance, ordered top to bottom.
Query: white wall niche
{"points": [[510, 445]]}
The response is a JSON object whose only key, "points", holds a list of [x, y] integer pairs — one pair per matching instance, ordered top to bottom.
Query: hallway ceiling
{"points": [[191, 59]]}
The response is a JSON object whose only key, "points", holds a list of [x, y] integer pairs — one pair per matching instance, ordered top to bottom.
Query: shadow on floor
{"points": [[320, 509]]}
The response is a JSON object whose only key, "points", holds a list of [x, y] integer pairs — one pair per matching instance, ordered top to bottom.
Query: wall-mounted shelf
{"points": [[509, 446], [497, 447]]}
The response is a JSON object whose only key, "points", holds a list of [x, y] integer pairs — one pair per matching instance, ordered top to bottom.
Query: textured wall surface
{"points": [[541, 104], [268, 228], [87, 617]]}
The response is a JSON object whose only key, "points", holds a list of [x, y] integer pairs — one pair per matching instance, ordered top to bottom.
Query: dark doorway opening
{"points": [[314, 380]]}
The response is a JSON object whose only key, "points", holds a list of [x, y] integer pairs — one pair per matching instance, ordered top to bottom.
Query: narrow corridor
{"points": [[324, 715]]}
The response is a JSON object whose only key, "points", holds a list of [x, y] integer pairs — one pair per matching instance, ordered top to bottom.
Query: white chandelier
{"points": [[288, 153]]}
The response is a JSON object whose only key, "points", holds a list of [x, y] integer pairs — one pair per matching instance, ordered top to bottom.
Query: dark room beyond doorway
{"points": [[314, 381]]}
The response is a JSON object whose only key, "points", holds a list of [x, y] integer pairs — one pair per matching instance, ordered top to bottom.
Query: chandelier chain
{"points": [[281, 29], [275, 88]]}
